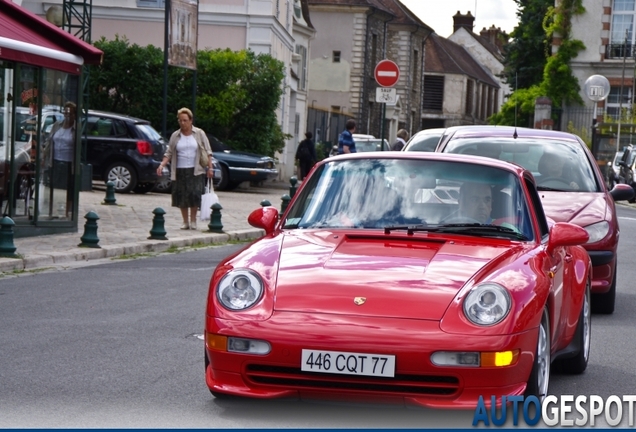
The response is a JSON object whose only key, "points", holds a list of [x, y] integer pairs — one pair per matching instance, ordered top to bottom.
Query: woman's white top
{"points": [[63, 145], [186, 151]]}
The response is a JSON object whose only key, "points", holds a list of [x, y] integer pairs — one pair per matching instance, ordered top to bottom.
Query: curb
{"points": [[35, 261]]}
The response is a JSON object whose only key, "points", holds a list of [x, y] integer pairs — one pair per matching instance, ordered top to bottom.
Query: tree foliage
{"points": [[558, 83], [237, 93]]}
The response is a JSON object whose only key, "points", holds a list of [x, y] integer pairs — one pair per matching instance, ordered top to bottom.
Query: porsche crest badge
{"points": [[359, 301]]}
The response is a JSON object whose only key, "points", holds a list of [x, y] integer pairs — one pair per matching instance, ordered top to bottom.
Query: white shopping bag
{"points": [[207, 200]]}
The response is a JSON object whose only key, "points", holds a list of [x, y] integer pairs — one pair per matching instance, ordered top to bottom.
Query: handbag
{"points": [[204, 158], [208, 199]]}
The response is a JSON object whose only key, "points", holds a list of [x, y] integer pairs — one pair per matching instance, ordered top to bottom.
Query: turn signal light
{"points": [[216, 342], [498, 359]]}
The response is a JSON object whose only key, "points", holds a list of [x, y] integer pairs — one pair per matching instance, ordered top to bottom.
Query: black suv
{"points": [[124, 150]]}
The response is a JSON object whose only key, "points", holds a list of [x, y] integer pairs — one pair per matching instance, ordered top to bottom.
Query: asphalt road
{"points": [[117, 344]]}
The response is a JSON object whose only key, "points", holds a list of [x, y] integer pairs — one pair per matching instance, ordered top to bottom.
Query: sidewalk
{"points": [[124, 228]]}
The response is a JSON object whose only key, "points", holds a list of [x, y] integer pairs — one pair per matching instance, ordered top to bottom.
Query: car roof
{"points": [[117, 116], [506, 131]]}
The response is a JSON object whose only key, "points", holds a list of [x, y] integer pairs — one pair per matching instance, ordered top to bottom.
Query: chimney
{"points": [[467, 21], [495, 36]]}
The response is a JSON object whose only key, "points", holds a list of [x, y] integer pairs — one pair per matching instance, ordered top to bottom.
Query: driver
{"points": [[551, 167], [475, 202]]}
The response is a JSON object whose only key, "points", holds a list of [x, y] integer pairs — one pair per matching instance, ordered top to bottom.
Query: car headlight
{"points": [[597, 231], [239, 289], [487, 304]]}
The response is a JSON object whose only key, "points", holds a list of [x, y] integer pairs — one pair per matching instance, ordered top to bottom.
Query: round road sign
{"points": [[387, 73]]}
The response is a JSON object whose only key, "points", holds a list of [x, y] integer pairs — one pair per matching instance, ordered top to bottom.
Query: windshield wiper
{"points": [[410, 229]]}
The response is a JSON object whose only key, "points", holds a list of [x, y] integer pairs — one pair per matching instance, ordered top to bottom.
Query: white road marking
{"points": [[628, 218]]}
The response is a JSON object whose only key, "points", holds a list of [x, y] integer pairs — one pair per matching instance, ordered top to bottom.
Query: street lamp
{"points": [[596, 88]]}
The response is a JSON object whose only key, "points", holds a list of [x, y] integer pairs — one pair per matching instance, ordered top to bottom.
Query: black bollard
{"points": [[292, 190], [110, 194], [285, 199], [265, 203], [215, 224], [158, 231], [90, 239], [7, 248]]}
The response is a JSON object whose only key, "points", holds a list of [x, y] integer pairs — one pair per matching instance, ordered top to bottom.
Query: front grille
{"points": [[409, 385]]}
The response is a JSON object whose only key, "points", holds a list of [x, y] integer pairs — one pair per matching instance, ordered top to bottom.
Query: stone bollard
{"points": [[292, 190], [110, 194], [285, 199], [265, 203], [215, 224], [158, 231], [90, 239], [7, 248]]}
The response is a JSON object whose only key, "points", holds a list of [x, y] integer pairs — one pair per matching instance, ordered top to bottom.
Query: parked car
{"points": [[425, 140], [365, 143], [124, 150], [239, 166], [627, 167], [614, 169], [164, 184], [579, 195], [363, 291]]}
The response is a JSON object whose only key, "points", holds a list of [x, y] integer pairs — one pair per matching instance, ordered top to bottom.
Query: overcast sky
{"points": [[438, 14]]}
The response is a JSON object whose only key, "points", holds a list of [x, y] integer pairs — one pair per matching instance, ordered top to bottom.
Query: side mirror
{"points": [[622, 192], [264, 218], [566, 234]]}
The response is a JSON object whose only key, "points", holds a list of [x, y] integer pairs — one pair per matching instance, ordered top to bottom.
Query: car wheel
{"points": [[122, 175], [225, 179], [163, 186], [143, 188], [604, 303], [578, 363], [539, 380]]}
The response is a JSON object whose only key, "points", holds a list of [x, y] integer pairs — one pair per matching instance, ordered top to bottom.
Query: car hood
{"points": [[583, 208], [325, 272]]}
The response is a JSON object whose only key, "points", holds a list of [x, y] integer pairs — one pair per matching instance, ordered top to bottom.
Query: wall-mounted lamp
{"points": [[55, 15]]}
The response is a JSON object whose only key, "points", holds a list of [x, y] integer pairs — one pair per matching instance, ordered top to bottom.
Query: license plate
{"points": [[348, 363]]}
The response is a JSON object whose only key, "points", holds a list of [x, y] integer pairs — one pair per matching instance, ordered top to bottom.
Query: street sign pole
{"points": [[387, 74]]}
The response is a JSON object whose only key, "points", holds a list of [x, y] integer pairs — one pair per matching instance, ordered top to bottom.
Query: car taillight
{"points": [[145, 148]]}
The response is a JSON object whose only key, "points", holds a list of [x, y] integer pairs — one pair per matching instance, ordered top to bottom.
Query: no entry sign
{"points": [[387, 73]]}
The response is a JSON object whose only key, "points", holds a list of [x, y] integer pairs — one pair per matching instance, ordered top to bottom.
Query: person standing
{"points": [[400, 142], [346, 144], [306, 155], [58, 156], [190, 157]]}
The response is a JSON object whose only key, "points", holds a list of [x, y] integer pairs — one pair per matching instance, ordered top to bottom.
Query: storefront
{"points": [[41, 70]]}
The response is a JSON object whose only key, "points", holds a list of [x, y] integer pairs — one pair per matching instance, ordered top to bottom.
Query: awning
{"points": [[27, 38]]}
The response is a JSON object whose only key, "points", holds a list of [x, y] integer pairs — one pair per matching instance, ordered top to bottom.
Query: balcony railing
{"points": [[619, 51]]}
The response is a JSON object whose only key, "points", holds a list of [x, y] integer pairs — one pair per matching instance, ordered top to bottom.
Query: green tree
{"points": [[526, 54], [236, 100]]}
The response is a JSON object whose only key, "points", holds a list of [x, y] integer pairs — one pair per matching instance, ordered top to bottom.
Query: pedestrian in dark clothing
{"points": [[346, 144], [306, 155]]}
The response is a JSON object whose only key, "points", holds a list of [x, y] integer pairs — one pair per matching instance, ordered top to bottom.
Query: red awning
{"points": [[27, 38]]}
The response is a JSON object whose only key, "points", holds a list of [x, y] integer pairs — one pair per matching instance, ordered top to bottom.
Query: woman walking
{"points": [[190, 157]]}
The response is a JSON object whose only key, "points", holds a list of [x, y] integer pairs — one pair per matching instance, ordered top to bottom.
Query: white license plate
{"points": [[348, 363]]}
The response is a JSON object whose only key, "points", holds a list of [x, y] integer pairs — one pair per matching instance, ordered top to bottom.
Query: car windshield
{"points": [[149, 132], [424, 142], [216, 145], [369, 145], [556, 165], [422, 195]]}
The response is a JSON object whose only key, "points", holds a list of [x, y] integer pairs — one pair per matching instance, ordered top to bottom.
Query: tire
{"points": [[123, 175], [224, 183], [164, 186], [143, 188], [604, 303], [578, 363], [539, 381]]}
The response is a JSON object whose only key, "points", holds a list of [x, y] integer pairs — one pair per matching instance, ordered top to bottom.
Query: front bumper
{"points": [[241, 174], [603, 268], [417, 381]]}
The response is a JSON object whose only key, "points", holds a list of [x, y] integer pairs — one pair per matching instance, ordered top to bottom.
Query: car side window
{"points": [[100, 127], [120, 129]]}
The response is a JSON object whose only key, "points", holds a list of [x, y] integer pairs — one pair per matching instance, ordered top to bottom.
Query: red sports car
{"points": [[570, 185], [371, 289]]}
